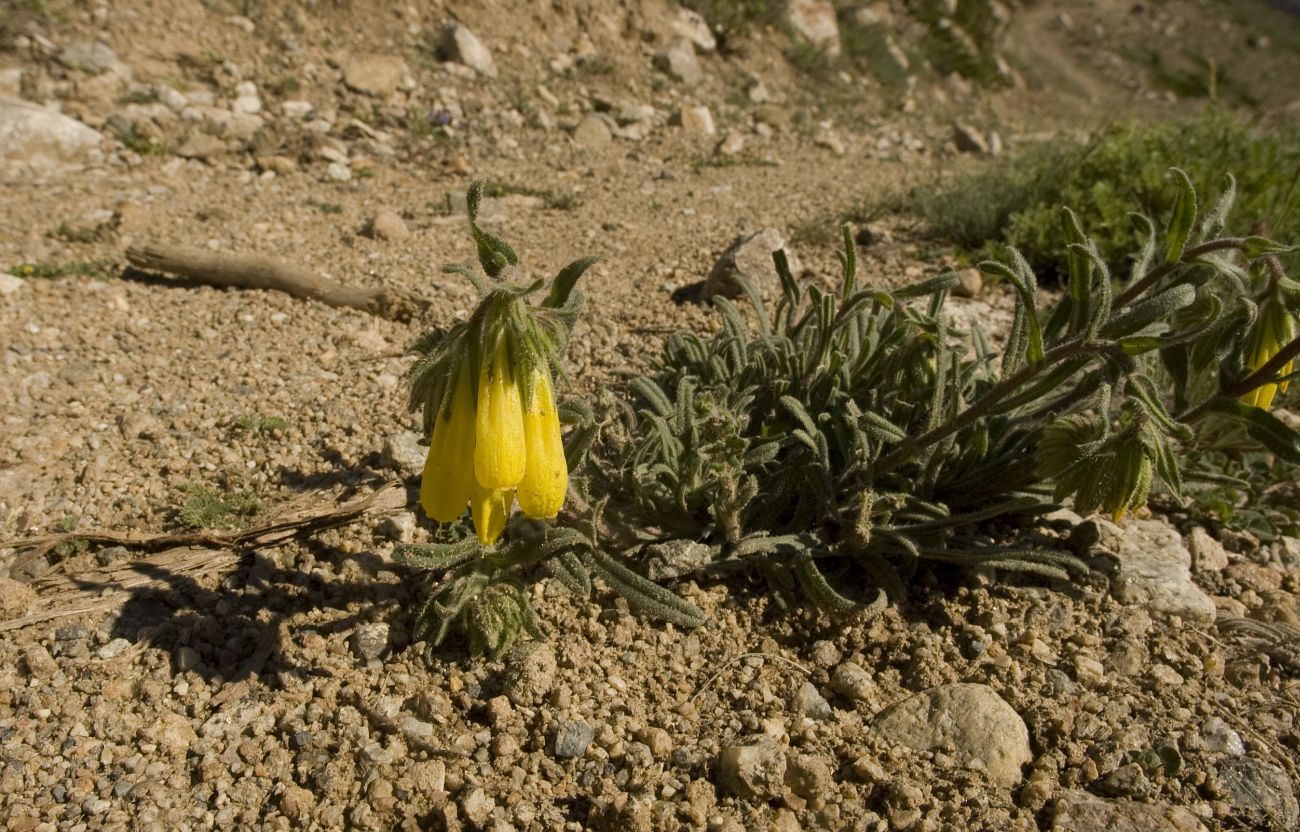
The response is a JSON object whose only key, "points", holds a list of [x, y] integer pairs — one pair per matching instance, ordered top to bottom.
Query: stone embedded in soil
{"points": [[815, 22], [690, 25], [462, 46], [91, 56], [677, 60], [374, 75], [697, 120], [592, 133], [41, 138], [969, 140], [201, 146], [389, 226], [750, 257], [970, 283], [404, 453], [1208, 554], [676, 558], [1153, 569], [370, 641], [40, 664], [530, 672], [851, 681], [809, 702], [982, 730], [572, 739], [755, 770], [809, 777], [1259, 789], [477, 807], [1083, 812]]}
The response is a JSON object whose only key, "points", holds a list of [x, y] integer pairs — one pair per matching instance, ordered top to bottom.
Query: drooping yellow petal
{"points": [[499, 454], [546, 476], [447, 482], [490, 509]]}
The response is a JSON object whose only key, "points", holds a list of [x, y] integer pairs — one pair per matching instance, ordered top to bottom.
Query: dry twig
{"points": [[254, 271]]}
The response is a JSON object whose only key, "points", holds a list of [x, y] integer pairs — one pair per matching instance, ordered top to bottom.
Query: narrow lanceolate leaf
{"points": [[1182, 219], [1253, 247], [494, 254], [1080, 267], [1022, 279], [562, 285], [1153, 309], [1263, 427], [435, 556], [567, 568], [647, 596], [825, 597]]}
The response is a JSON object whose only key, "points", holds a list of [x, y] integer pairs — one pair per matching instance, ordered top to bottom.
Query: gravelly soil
{"points": [[283, 692]]}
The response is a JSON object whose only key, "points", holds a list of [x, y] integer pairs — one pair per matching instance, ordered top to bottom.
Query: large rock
{"points": [[814, 21], [690, 25], [462, 46], [92, 57], [678, 61], [376, 75], [39, 138], [749, 256], [1154, 569], [983, 731], [1259, 789], [1083, 812]]}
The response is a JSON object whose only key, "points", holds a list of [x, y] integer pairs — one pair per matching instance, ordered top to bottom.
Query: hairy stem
{"points": [[1152, 277], [1266, 374], [999, 391]]}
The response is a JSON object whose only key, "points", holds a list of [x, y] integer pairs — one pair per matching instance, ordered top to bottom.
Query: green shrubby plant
{"points": [[833, 440]]}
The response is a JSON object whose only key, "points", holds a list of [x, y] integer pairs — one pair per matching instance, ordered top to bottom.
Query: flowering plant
{"points": [[833, 444]]}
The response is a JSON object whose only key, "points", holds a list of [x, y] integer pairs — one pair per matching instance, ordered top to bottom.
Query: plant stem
{"points": [[1152, 277], [1264, 375], [999, 391]]}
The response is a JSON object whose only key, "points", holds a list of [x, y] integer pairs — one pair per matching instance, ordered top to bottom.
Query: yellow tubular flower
{"points": [[1274, 329], [499, 426], [546, 477], [446, 484], [490, 508]]}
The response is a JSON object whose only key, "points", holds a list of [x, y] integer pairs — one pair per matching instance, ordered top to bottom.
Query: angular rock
{"points": [[814, 21], [691, 26], [462, 46], [677, 60], [374, 75], [696, 120], [592, 133], [40, 138], [969, 140], [389, 225], [750, 257], [404, 453], [1208, 554], [1154, 569], [370, 641], [40, 664], [809, 702], [983, 731], [572, 739], [755, 771], [808, 776], [1259, 789], [477, 807], [1083, 812]]}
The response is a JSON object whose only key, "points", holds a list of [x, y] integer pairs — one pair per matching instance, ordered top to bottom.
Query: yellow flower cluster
{"points": [[1273, 330], [490, 450]]}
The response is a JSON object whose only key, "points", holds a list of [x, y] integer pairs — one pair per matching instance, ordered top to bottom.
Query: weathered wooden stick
{"points": [[254, 271]]}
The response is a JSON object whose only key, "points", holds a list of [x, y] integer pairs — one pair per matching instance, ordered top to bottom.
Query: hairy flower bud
{"points": [[499, 454], [546, 476]]}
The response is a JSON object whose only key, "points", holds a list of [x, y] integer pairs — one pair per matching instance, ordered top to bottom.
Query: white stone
{"points": [[814, 21], [691, 26], [461, 45], [678, 61], [697, 120], [41, 138], [10, 284], [1154, 569], [977, 724]]}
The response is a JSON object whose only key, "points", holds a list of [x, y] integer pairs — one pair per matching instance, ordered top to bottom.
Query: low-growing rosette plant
{"points": [[832, 440]]}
